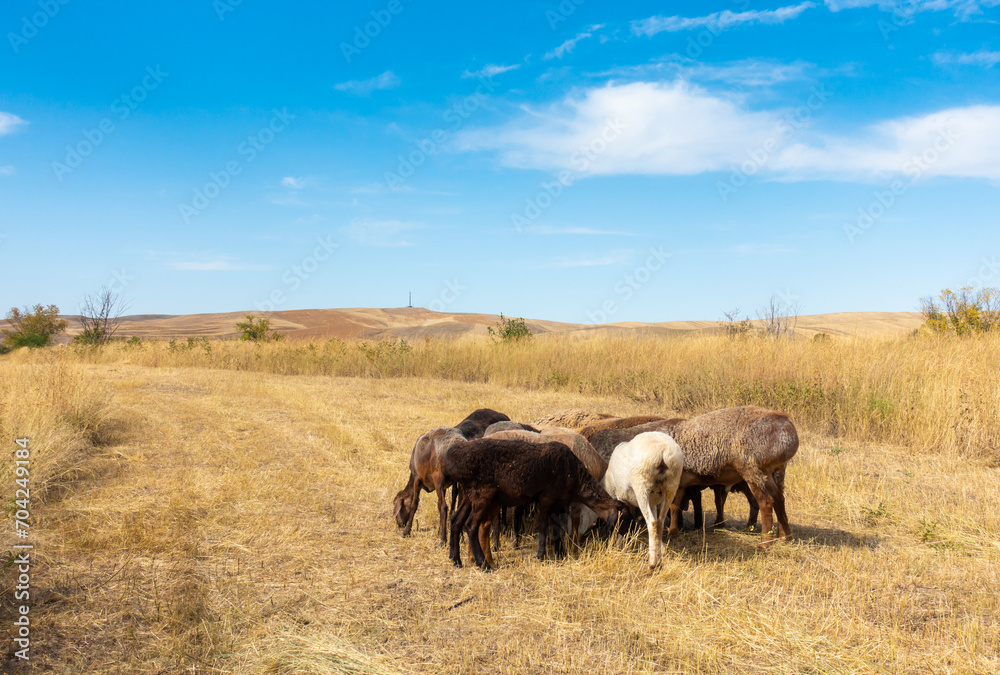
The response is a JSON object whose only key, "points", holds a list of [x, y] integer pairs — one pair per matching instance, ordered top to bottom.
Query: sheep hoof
{"points": [[456, 563]]}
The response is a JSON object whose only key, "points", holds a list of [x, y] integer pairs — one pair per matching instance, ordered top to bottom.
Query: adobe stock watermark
{"points": [[223, 7], [563, 11], [901, 16], [381, 18], [30, 25], [121, 108], [455, 116], [784, 129], [248, 150], [580, 162], [914, 168], [986, 273], [296, 275], [626, 287], [449, 295]]}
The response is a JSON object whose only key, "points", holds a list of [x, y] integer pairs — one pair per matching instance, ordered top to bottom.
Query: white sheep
{"points": [[646, 472]]}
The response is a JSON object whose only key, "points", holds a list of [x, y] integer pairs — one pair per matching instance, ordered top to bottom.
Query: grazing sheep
{"points": [[572, 419], [478, 421], [508, 426], [591, 430], [740, 443], [646, 472], [493, 473], [426, 475], [580, 517]]}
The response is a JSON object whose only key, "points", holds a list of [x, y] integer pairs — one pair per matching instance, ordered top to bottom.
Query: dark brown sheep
{"points": [[478, 421], [592, 429], [495, 473], [426, 475]]}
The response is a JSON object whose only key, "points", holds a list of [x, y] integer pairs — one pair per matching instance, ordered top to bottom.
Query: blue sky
{"points": [[578, 161]]}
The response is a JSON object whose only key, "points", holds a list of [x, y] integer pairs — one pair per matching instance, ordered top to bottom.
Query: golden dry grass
{"points": [[209, 517]]}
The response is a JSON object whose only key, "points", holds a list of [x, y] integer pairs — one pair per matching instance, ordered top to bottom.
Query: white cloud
{"points": [[962, 9], [718, 21], [567, 47], [983, 58], [490, 70], [745, 73], [387, 80], [8, 122], [669, 128], [679, 129], [6, 170], [293, 182], [584, 231], [379, 232], [762, 249], [613, 258], [219, 265]]}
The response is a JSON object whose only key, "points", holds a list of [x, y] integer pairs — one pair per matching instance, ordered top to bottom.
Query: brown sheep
{"points": [[571, 419], [592, 429], [606, 441], [740, 443], [494, 473], [426, 475]]}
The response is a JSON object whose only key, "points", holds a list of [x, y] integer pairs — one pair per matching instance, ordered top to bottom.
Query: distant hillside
{"points": [[417, 322]]}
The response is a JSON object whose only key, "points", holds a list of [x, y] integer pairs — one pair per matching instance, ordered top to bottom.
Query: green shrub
{"points": [[509, 330]]}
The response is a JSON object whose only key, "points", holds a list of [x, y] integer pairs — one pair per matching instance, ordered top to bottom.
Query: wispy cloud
{"points": [[962, 9], [718, 21], [567, 47], [983, 58], [490, 70], [744, 73], [387, 80], [9, 122], [680, 129], [6, 170], [293, 182], [580, 231], [379, 232], [762, 249], [613, 258], [219, 265]]}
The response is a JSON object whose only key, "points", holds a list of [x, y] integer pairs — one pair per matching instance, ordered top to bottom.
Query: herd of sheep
{"points": [[576, 468]]}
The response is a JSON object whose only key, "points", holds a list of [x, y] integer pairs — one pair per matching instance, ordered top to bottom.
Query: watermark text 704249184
{"points": [[21, 555]]}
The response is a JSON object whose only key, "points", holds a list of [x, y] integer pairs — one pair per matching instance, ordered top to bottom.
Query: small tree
{"points": [[965, 312], [100, 316], [778, 318], [32, 327], [735, 327], [257, 330], [509, 330]]}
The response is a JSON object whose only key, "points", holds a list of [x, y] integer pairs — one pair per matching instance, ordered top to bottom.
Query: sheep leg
{"points": [[777, 483], [694, 494], [721, 494], [442, 495], [766, 504], [754, 508], [542, 514], [675, 514], [458, 518], [518, 524], [654, 526], [484, 540]]}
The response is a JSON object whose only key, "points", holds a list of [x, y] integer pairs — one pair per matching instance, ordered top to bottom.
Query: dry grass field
{"points": [[225, 508]]}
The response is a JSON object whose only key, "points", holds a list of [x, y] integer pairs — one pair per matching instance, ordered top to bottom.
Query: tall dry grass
{"points": [[929, 393]]}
